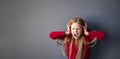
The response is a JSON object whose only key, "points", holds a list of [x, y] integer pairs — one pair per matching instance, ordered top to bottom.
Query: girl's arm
{"points": [[94, 34], [98, 34], [58, 35]]}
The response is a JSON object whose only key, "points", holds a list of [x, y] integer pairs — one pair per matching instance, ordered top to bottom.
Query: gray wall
{"points": [[25, 26]]}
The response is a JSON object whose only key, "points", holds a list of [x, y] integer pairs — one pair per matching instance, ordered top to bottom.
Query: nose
{"points": [[76, 30]]}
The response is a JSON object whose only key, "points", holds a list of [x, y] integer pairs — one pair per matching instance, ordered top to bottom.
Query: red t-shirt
{"points": [[61, 35]]}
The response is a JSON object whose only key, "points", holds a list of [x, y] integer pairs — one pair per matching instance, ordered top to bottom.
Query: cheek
{"points": [[80, 32]]}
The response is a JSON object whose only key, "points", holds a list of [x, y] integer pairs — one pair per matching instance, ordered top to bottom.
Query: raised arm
{"points": [[98, 34], [57, 35]]}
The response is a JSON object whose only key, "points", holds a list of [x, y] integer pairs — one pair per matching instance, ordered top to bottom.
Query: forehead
{"points": [[75, 25]]}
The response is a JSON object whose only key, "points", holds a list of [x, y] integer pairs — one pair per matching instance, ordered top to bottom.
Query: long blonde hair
{"points": [[81, 42]]}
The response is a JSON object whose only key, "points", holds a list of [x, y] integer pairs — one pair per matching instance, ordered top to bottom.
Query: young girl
{"points": [[77, 39]]}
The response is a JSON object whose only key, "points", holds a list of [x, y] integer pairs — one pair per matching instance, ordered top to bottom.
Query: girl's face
{"points": [[76, 30]]}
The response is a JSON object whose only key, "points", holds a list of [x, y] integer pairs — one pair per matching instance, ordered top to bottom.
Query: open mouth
{"points": [[75, 35]]}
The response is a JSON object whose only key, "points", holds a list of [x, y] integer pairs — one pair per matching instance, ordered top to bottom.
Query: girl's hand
{"points": [[85, 24], [68, 27], [85, 30], [67, 32]]}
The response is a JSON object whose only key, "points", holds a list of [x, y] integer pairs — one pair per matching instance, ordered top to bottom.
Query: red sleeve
{"points": [[57, 35], [99, 35]]}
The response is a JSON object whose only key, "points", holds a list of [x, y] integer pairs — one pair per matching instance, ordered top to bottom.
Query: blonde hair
{"points": [[81, 42]]}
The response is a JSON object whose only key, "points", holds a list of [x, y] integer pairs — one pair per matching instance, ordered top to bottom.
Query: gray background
{"points": [[25, 26]]}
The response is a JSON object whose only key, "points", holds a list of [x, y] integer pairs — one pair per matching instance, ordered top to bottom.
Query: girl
{"points": [[77, 39]]}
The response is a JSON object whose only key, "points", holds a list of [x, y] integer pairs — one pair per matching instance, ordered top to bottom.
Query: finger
{"points": [[85, 24], [68, 27], [84, 27], [85, 30]]}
